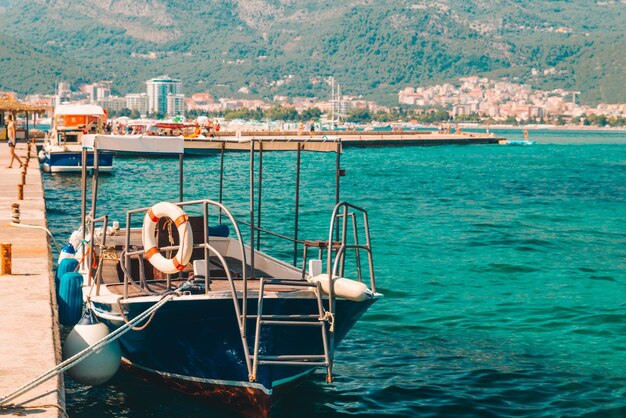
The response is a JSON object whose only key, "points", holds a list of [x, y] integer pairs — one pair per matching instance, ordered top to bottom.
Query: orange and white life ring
{"points": [[152, 254]]}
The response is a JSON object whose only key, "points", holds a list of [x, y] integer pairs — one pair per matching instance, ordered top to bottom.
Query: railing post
{"points": [[180, 178], [297, 207], [219, 216], [258, 216], [344, 233], [126, 260]]}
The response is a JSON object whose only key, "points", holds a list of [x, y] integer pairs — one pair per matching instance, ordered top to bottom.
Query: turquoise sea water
{"points": [[503, 269]]}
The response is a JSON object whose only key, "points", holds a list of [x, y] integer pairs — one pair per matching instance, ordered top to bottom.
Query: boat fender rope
{"points": [[330, 318]]}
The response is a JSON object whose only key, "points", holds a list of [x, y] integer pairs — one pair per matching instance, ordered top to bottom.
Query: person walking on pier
{"points": [[11, 134]]}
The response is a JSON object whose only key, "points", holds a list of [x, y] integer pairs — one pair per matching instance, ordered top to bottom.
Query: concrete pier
{"points": [[29, 333]]}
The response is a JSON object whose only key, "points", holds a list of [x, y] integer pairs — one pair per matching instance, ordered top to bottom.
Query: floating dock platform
{"points": [[29, 333]]}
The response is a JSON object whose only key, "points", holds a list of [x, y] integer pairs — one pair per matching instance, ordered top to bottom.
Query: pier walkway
{"points": [[29, 333]]}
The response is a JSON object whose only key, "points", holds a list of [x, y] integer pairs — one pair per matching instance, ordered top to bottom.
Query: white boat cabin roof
{"points": [[78, 109], [136, 143]]}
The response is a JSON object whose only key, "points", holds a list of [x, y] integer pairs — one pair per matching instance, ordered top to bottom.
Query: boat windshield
{"points": [[69, 137]]}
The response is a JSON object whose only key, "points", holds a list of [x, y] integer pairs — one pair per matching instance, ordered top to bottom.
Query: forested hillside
{"points": [[373, 48]]}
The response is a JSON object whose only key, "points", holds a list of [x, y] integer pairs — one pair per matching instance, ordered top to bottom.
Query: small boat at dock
{"points": [[62, 149], [243, 324]]}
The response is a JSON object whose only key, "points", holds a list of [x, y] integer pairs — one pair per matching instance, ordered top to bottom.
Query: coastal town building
{"points": [[158, 90], [97, 91], [471, 98], [499, 99], [138, 102], [203, 102], [113, 103], [175, 104]]}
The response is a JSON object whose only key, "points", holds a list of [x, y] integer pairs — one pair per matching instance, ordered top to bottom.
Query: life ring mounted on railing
{"points": [[151, 250]]}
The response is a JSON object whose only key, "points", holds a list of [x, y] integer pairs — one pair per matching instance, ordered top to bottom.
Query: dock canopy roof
{"points": [[9, 104], [78, 109], [136, 143]]}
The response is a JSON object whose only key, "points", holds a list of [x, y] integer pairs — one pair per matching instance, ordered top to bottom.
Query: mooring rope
{"points": [[56, 245], [126, 321], [78, 357]]}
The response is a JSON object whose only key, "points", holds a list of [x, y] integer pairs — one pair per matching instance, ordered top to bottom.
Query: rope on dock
{"points": [[40, 227], [72, 361]]}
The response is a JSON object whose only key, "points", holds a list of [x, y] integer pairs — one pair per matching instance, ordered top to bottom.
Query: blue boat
{"points": [[63, 148], [60, 161], [242, 326]]}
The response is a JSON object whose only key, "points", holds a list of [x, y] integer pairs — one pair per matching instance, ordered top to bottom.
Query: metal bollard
{"points": [[20, 192], [15, 213], [5, 258]]}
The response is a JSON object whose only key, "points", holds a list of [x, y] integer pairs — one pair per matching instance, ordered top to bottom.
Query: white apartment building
{"points": [[158, 89], [97, 91], [138, 102], [112, 103], [175, 104]]}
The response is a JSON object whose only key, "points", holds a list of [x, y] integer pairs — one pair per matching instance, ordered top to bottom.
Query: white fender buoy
{"points": [[41, 156], [67, 252], [344, 288], [100, 366]]}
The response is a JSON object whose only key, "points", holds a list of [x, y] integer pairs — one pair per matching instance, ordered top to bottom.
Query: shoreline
{"points": [[540, 127]]}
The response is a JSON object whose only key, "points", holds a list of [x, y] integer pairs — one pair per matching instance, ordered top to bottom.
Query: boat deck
{"points": [[156, 281], [216, 285]]}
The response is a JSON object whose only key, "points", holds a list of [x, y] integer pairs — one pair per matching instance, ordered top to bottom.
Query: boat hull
{"points": [[71, 161], [203, 355]]}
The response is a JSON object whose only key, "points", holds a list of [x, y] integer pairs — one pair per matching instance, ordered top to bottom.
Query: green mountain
{"points": [[291, 47]]}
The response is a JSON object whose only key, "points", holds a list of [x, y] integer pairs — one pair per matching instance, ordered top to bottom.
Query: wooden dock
{"points": [[29, 333]]}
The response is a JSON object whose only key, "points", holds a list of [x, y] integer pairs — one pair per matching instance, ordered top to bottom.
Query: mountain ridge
{"points": [[288, 47]]}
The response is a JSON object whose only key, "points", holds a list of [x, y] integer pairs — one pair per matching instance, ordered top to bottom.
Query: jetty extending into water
{"points": [[384, 138], [239, 141], [329, 141], [29, 333]]}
